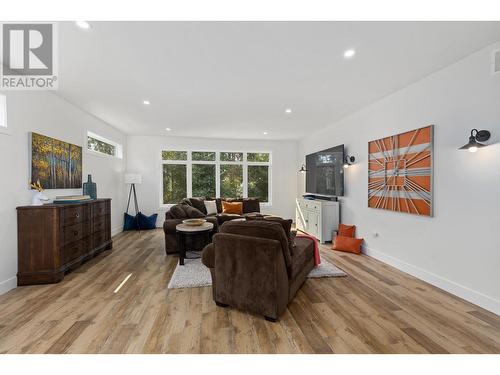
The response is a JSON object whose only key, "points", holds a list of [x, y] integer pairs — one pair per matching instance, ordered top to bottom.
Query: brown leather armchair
{"points": [[256, 268]]}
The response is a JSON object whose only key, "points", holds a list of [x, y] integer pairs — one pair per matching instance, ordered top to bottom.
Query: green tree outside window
{"points": [[231, 181], [258, 182], [174, 183], [203, 184]]}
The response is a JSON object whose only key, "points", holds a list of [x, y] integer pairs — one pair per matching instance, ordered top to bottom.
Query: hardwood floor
{"points": [[375, 309]]}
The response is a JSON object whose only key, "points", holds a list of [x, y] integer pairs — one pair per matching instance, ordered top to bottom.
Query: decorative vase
{"points": [[90, 188]]}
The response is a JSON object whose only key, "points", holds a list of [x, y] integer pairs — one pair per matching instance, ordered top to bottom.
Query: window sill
{"points": [[102, 155]]}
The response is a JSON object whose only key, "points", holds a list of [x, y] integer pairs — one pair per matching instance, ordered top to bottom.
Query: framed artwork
{"points": [[57, 164], [400, 172]]}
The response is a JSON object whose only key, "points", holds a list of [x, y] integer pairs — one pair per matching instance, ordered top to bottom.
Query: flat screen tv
{"points": [[325, 172]]}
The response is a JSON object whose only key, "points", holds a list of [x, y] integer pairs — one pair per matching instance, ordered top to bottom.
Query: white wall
{"points": [[47, 114], [144, 156], [457, 249]]}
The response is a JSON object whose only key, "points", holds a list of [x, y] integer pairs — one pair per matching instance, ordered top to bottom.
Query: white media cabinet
{"points": [[318, 218]]}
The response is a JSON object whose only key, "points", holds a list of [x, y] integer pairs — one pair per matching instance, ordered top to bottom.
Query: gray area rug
{"points": [[194, 274]]}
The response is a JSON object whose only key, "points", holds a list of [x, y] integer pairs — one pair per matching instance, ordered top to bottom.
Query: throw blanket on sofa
{"points": [[317, 259]]}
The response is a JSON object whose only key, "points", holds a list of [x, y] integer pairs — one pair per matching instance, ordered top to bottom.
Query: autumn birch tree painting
{"points": [[57, 164]]}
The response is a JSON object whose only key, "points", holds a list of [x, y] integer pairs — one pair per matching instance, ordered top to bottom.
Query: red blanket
{"points": [[317, 259]]}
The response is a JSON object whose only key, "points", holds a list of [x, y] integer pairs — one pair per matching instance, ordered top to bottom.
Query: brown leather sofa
{"points": [[190, 208], [257, 267]]}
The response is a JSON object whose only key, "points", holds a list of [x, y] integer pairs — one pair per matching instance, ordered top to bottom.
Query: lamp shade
{"points": [[133, 178]]}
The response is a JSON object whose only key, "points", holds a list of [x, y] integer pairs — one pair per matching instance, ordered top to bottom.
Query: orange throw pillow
{"points": [[232, 208], [347, 230], [351, 245]]}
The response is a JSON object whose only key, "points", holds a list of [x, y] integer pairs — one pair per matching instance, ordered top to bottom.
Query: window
{"points": [[3, 113], [101, 145], [174, 155], [204, 156], [231, 156], [258, 156], [215, 174], [203, 180], [231, 181], [258, 182], [174, 183]]}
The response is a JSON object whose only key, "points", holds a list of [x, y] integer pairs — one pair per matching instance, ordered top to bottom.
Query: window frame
{"points": [[3, 116], [118, 147], [217, 162]]}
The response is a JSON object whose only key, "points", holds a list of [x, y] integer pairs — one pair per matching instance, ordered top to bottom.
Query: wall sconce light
{"points": [[475, 140], [349, 160], [303, 169]]}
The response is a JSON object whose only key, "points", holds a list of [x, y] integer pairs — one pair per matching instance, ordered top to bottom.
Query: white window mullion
{"points": [[217, 174], [189, 175], [245, 176]]}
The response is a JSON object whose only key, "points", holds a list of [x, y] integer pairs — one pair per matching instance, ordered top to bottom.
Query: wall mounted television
{"points": [[325, 172]]}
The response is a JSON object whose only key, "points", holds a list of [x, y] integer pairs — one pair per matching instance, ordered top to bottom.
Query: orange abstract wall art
{"points": [[400, 172]]}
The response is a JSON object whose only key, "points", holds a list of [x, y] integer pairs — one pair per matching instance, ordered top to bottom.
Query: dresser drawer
{"points": [[99, 209], [73, 215], [99, 224], [74, 232], [99, 239], [75, 249]]}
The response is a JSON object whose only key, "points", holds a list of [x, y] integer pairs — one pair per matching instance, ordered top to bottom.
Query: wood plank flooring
{"points": [[375, 309]]}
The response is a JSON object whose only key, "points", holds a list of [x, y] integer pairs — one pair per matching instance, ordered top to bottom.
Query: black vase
{"points": [[90, 188]]}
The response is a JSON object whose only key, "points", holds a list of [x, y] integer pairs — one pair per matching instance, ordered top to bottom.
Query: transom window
{"points": [[3, 112], [101, 145], [215, 174]]}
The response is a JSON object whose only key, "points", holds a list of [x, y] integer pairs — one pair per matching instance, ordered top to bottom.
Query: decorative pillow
{"points": [[199, 204], [251, 205], [211, 207], [232, 208], [178, 212], [192, 213], [147, 222], [347, 230], [349, 244]]}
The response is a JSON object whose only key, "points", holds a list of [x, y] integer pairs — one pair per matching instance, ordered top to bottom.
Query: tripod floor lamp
{"points": [[133, 179]]}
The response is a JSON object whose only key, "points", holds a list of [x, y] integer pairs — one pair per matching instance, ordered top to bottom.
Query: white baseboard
{"points": [[116, 230], [8, 284], [475, 297]]}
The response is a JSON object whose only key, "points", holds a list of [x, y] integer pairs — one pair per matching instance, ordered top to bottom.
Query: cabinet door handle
{"points": [[77, 214], [75, 233]]}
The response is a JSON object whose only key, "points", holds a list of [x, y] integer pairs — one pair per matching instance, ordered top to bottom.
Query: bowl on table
{"points": [[194, 222]]}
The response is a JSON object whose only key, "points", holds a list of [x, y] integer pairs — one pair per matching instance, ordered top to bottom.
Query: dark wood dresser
{"points": [[56, 238]]}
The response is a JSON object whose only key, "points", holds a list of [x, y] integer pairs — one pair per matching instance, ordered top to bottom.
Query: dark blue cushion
{"points": [[129, 222], [147, 222]]}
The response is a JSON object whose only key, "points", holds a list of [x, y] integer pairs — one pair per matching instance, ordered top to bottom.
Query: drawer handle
{"points": [[77, 214], [75, 233]]}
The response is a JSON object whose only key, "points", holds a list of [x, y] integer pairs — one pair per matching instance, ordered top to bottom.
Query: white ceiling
{"points": [[235, 79]]}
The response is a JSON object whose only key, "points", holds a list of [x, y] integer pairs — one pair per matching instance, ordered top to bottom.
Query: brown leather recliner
{"points": [[255, 267]]}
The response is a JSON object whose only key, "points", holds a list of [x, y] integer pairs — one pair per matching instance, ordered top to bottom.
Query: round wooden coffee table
{"points": [[184, 231]]}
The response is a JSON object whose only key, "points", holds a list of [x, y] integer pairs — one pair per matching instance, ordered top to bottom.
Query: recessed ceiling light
{"points": [[83, 24], [349, 53], [146, 102], [288, 110], [168, 129], [265, 133]]}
